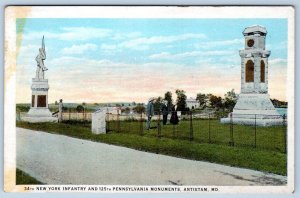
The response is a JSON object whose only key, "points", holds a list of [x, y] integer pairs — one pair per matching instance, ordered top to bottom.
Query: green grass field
{"points": [[211, 131], [247, 157], [24, 178]]}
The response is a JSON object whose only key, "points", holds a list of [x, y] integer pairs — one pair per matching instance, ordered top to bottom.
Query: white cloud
{"points": [[70, 33], [122, 36], [143, 42], [213, 44], [108, 47], [79, 49], [26, 54], [162, 55], [167, 55], [277, 61]]}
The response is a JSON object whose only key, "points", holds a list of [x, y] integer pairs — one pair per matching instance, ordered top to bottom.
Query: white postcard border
{"points": [[14, 12]]}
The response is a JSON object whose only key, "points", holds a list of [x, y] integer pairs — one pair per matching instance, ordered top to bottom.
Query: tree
{"points": [[168, 97], [202, 99], [181, 100], [230, 100], [215, 101], [56, 103], [83, 103], [133, 103], [157, 104], [79, 108], [139, 109], [126, 110]]}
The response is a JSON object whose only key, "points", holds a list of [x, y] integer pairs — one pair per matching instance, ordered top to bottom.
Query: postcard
{"points": [[149, 99]]}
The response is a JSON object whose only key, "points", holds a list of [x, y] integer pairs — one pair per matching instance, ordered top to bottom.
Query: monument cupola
{"points": [[255, 37], [254, 61]]}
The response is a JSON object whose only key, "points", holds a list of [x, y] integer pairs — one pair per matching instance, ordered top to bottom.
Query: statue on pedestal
{"points": [[40, 62], [39, 110]]}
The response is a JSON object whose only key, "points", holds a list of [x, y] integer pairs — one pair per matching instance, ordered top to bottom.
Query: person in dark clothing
{"points": [[164, 111], [174, 117]]}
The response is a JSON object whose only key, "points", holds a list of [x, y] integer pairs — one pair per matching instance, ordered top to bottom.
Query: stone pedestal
{"points": [[254, 109], [39, 111], [99, 122]]}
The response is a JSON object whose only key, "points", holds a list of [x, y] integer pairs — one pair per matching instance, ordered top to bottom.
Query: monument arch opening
{"points": [[249, 71]]}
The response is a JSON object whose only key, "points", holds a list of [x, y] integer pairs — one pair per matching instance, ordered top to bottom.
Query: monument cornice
{"points": [[254, 53]]}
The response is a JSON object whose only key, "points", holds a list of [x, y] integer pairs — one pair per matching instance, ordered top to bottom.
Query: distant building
{"points": [[192, 103]]}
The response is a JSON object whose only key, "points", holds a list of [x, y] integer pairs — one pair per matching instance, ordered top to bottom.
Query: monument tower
{"points": [[254, 105], [39, 111]]}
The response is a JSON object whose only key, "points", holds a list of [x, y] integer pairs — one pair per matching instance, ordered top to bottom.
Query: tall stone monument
{"points": [[254, 105], [39, 111]]}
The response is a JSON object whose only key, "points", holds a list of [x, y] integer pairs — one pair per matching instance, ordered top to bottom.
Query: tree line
{"points": [[205, 101]]}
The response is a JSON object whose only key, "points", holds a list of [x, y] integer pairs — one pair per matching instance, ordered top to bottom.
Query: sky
{"points": [[126, 60]]}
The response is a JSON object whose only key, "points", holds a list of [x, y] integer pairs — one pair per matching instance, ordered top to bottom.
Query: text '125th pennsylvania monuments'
{"points": [[254, 106], [39, 111]]}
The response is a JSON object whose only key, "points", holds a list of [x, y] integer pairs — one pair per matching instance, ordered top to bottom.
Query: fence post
{"points": [[69, 114], [83, 114], [107, 122], [118, 123], [141, 125], [158, 126], [191, 126], [174, 131], [255, 131], [284, 132], [209, 140], [231, 143]]}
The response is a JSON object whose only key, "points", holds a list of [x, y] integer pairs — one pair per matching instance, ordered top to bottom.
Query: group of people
{"points": [[164, 111]]}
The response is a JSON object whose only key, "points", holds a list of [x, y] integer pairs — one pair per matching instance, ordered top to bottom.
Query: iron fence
{"points": [[197, 127], [207, 128]]}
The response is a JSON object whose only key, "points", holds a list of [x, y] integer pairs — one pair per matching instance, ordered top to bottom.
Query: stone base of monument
{"points": [[254, 109], [36, 115], [253, 121], [99, 122]]}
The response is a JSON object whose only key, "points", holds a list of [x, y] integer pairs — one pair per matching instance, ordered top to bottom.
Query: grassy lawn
{"points": [[212, 131], [257, 159], [24, 178]]}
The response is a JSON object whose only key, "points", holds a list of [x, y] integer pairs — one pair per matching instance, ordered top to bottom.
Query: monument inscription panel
{"points": [[41, 101]]}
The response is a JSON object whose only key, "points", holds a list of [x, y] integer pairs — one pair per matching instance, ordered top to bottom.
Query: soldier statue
{"points": [[40, 62]]}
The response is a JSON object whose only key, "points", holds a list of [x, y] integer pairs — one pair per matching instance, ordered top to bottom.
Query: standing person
{"points": [[164, 110], [60, 111], [149, 112], [174, 117]]}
